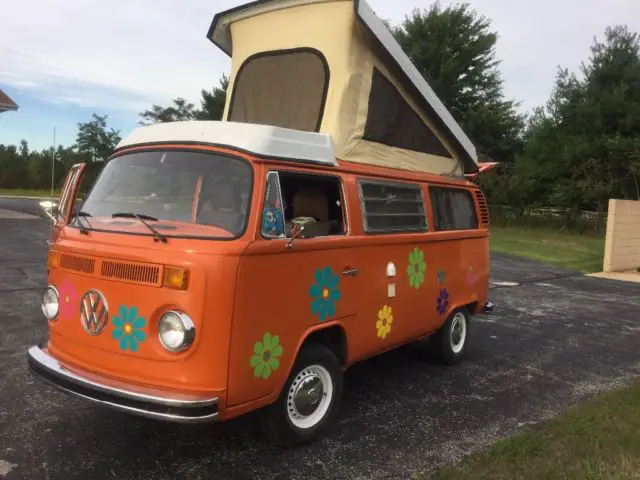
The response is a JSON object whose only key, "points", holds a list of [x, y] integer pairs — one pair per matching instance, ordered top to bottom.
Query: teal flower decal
{"points": [[416, 268], [441, 277], [325, 293], [129, 328], [266, 356]]}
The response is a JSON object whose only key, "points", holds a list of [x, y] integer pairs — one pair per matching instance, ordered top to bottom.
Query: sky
{"points": [[63, 60]]}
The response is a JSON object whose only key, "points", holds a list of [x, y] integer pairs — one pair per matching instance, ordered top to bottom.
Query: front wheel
{"points": [[450, 341], [309, 400]]}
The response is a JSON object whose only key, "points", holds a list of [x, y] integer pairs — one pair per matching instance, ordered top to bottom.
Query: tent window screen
{"points": [[284, 89], [393, 122], [392, 207], [453, 209]]}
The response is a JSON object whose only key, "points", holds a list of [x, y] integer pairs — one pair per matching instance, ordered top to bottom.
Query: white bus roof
{"points": [[260, 140]]}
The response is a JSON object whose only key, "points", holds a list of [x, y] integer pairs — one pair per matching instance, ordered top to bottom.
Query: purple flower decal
{"points": [[68, 299], [443, 301]]}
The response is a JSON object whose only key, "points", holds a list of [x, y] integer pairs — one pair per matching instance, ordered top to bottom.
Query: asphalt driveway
{"points": [[20, 205], [556, 338]]}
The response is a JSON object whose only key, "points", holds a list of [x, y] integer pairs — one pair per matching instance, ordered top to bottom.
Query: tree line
{"points": [[576, 151], [22, 168]]}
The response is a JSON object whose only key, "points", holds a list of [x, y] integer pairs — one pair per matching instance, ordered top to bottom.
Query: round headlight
{"points": [[50, 303], [176, 331]]}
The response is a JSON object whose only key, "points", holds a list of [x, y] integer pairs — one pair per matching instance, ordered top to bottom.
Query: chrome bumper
{"points": [[47, 368]]}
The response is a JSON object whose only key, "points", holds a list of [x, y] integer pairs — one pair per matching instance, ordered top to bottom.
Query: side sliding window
{"points": [[392, 207]]}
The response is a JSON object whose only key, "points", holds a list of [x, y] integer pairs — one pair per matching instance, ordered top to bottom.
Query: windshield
{"points": [[180, 193]]}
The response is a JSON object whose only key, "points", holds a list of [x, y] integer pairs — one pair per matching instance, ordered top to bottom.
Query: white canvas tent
{"points": [[332, 66]]}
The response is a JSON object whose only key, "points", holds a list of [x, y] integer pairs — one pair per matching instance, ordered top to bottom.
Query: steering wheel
{"points": [[303, 220], [299, 222]]}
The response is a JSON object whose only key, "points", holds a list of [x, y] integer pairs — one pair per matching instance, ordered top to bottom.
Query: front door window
{"points": [[295, 200]]}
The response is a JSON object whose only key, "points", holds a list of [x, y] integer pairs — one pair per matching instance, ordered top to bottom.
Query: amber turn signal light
{"points": [[53, 259], [175, 277]]}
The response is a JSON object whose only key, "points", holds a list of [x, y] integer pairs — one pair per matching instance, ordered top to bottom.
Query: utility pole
{"points": [[53, 162]]}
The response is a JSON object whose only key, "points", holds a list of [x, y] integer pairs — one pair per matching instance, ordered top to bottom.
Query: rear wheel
{"points": [[449, 343], [309, 400]]}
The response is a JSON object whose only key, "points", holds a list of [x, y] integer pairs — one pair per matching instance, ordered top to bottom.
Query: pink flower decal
{"points": [[68, 299]]}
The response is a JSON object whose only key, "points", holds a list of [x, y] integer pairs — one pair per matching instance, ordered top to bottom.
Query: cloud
{"points": [[119, 54], [124, 56], [45, 82]]}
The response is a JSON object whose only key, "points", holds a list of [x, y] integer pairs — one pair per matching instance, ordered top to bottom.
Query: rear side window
{"points": [[392, 121], [392, 207], [453, 209]]}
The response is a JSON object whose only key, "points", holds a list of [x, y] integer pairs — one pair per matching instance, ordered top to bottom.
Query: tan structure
{"points": [[331, 66], [6, 104], [622, 247]]}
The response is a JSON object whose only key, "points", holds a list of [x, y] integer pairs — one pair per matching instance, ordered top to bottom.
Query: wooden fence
{"points": [[584, 222]]}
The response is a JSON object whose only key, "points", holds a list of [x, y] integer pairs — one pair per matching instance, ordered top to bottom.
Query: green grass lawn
{"points": [[23, 192], [584, 253], [597, 440]]}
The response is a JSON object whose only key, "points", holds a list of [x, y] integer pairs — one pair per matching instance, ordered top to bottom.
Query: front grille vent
{"points": [[131, 272]]}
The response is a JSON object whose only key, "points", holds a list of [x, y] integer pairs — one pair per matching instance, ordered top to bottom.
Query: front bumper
{"points": [[152, 403]]}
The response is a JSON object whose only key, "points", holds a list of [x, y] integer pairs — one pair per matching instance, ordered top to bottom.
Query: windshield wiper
{"points": [[83, 215], [142, 217]]}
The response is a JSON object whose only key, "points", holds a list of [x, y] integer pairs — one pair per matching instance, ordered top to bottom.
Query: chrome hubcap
{"points": [[458, 332], [307, 395]]}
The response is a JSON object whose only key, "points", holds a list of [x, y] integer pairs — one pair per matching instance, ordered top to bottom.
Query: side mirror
{"points": [[50, 209]]}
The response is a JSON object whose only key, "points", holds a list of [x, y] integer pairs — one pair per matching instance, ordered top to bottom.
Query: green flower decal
{"points": [[416, 268], [266, 356]]}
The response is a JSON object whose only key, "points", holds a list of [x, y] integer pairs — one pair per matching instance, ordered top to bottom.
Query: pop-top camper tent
{"points": [[332, 66]]}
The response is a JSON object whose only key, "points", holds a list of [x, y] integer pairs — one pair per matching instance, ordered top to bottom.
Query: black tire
{"points": [[441, 343], [276, 418]]}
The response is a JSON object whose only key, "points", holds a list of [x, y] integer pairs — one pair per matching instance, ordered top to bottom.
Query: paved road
{"points": [[21, 205], [555, 339]]}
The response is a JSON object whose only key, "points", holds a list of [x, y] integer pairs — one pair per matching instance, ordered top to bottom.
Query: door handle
{"points": [[352, 272]]}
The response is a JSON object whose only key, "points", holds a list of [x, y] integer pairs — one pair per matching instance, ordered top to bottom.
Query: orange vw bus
{"points": [[216, 268]]}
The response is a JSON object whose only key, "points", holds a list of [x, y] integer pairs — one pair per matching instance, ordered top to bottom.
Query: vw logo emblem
{"points": [[94, 312]]}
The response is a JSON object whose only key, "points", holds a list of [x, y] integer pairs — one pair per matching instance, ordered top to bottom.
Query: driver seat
{"points": [[312, 202], [223, 208]]}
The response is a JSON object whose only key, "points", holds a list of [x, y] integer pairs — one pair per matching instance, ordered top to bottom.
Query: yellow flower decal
{"points": [[385, 320]]}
